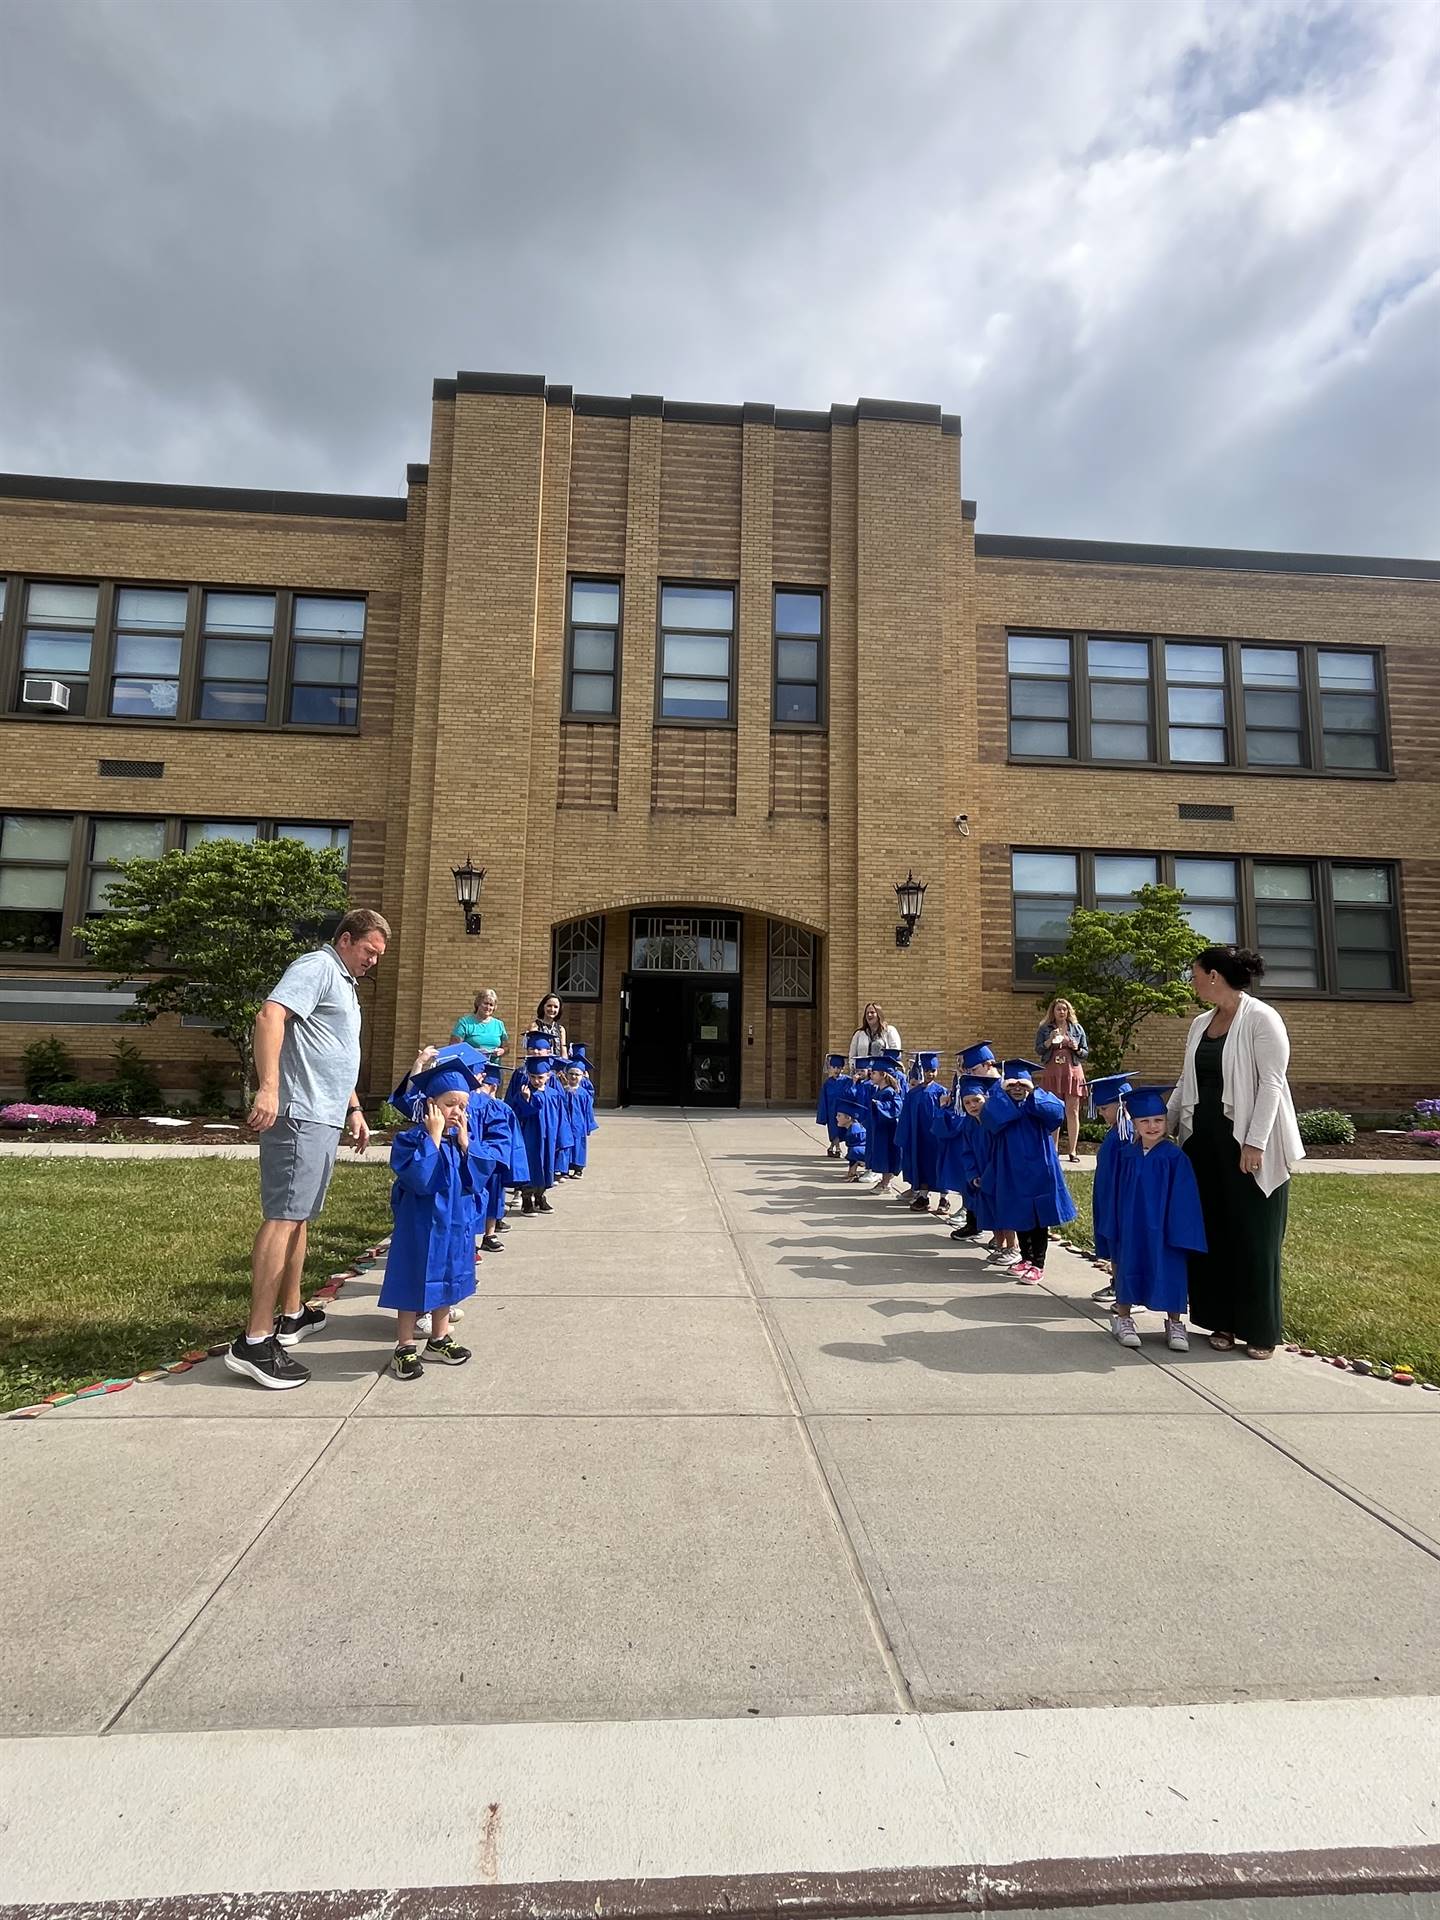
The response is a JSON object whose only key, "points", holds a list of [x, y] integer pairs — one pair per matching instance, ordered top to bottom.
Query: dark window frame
{"points": [[16, 624], [102, 656], [568, 712], [661, 719], [821, 722], [1312, 731], [1321, 868], [75, 911], [569, 992], [790, 1000]]}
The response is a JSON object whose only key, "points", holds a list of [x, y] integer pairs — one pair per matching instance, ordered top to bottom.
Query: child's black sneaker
{"points": [[542, 1205], [492, 1243], [292, 1328], [447, 1352], [266, 1363], [405, 1364]]}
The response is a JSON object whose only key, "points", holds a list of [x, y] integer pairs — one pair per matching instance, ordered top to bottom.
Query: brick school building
{"points": [[697, 686]]}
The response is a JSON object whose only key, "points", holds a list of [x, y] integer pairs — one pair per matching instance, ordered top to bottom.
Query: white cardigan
{"points": [[888, 1036], [1255, 1093]]}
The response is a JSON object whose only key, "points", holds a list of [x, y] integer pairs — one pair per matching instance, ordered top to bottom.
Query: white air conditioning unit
{"points": [[53, 694]]}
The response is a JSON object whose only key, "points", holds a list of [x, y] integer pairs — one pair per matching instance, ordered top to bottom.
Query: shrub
{"points": [[43, 1065], [134, 1080], [212, 1085], [103, 1095], [41, 1113], [1426, 1115], [392, 1119], [1381, 1120], [1324, 1127], [1093, 1129]]}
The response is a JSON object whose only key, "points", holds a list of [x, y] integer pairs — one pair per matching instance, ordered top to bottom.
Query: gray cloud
{"points": [[1177, 267]]}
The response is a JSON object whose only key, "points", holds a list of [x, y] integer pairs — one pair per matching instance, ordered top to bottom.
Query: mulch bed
{"points": [[1374, 1146]]}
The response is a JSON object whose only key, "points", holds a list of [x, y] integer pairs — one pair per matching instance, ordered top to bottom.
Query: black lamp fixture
{"points": [[469, 880], [910, 892]]}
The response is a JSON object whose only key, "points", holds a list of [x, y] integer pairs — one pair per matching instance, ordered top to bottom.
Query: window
{"points": [[799, 636], [59, 638], [149, 642], [697, 646], [592, 650], [235, 656], [325, 661], [1270, 679], [1117, 700], [1195, 703], [1040, 704], [1350, 732], [196, 833], [318, 839], [112, 841], [34, 862], [56, 870], [1047, 891], [1211, 897], [1324, 926], [1367, 934], [681, 943], [578, 951], [790, 979]]}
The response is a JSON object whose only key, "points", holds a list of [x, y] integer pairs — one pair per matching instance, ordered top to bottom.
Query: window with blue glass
{"points": [[326, 638]]}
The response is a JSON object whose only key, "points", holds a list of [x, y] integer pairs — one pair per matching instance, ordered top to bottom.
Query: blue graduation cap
{"points": [[539, 1043], [461, 1050], [578, 1056], [976, 1056], [836, 1059], [929, 1061], [541, 1064], [891, 1067], [1019, 1070], [490, 1075], [445, 1076], [969, 1084], [1104, 1093], [1147, 1103], [852, 1107]]}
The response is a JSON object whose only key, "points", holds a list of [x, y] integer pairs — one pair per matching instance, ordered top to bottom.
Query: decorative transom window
{"points": [[684, 943], [578, 947], [790, 979]]}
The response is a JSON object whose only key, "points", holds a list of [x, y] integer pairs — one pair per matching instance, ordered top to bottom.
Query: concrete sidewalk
{"points": [[739, 1445]]}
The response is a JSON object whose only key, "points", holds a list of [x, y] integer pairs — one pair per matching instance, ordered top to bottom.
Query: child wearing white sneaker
{"points": [[1105, 1096], [1160, 1223]]}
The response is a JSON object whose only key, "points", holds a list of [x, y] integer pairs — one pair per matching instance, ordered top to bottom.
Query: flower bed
{"points": [[34, 1115]]}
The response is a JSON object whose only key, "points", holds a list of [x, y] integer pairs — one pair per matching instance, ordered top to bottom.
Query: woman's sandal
{"points": [[1223, 1342], [1260, 1353]]}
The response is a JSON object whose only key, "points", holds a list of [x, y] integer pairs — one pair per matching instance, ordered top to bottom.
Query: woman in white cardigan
{"points": [[873, 1035], [1236, 1122]]}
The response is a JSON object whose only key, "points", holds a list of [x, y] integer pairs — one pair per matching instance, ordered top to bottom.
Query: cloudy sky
{"points": [[1176, 263]]}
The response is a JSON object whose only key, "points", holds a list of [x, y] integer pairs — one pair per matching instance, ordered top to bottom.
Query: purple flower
{"points": [[37, 1113]]}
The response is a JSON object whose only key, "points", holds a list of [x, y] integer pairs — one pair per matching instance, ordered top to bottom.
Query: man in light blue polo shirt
{"points": [[307, 1060]]}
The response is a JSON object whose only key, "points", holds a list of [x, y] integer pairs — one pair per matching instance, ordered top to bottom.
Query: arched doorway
{"points": [[681, 1009]]}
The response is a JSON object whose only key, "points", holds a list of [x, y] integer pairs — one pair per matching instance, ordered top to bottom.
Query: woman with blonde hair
{"points": [[1061, 1046]]}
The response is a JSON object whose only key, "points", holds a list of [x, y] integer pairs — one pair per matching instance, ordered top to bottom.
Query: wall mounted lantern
{"points": [[469, 881], [910, 892]]}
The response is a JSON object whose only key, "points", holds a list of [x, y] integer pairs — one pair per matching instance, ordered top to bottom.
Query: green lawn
{"points": [[110, 1267], [1361, 1270]]}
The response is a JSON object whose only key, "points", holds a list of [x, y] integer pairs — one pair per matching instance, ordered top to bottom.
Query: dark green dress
{"points": [[1235, 1286]]}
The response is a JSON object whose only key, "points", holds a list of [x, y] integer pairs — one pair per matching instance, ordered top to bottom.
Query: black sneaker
{"points": [[542, 1205], [502, 1226], [492, 1243], [291, 1328], [446, 1351], [266, 1363], [405, 1363]]}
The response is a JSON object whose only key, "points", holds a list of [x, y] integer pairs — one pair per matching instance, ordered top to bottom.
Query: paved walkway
{"points": [[814, 1520]]}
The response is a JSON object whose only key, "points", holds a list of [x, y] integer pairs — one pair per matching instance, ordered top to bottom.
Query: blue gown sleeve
{"points": [[1047, 1108], [999, 1110], [417, 1163], [1184, 1222]]}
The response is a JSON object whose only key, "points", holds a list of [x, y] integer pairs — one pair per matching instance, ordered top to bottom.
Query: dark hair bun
{"points": [[1251, 963], [1236, 966]]}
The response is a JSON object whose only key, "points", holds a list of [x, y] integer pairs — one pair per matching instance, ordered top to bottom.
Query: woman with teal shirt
{"points": [[482, 1028]]}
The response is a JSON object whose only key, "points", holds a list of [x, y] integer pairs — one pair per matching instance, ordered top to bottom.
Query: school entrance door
{"points": [[680, 1006]]}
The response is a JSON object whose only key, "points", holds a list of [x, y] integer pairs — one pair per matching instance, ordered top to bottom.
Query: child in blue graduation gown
{"points": [[585, 1089], [832, 1089], [1106, 1096], [540, 1108], [500, 1131], [852, 1132], [919, 1142], [882, 1151], [965, 1153], [1030, 1192], [1160, 1224], [430, 1266]]}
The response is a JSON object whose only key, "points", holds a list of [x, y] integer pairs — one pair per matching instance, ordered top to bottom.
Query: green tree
{"points": [[215, 928], [1117, 969]]}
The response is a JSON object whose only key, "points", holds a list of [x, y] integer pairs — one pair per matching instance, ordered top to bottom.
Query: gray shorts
{"points": [[297, 1158]]}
